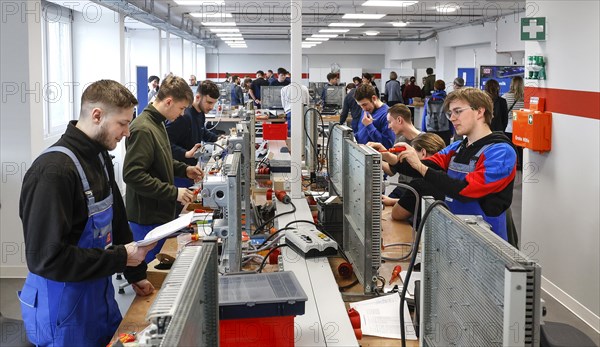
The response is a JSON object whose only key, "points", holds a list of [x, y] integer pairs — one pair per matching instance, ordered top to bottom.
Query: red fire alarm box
{"points": [[532, 129]]}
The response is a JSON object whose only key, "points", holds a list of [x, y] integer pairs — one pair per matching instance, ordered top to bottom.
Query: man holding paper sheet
{"points": [[149, 169], [75, 228]]}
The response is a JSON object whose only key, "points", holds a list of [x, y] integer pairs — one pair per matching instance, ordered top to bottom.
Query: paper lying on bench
{"points": [[167, 229], [381, 317]]}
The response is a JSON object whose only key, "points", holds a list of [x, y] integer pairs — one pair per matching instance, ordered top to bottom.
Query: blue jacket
{"points": [[237, 95], [352, 107], [186, 131], [377, 131]]}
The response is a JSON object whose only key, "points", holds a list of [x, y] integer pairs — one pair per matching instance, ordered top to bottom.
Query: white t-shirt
{"points": [[291, 93], [510, 100]]}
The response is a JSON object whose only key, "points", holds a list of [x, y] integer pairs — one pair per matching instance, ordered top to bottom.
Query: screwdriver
{"points": [[393, 150], [395, 273]]}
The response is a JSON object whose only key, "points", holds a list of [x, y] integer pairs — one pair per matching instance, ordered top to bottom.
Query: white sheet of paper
{"points": [[166, 229], [415, 276], [410, 291], [381, 317]]}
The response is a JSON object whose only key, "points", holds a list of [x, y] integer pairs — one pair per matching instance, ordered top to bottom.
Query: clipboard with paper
{"points": [[167, 229]]}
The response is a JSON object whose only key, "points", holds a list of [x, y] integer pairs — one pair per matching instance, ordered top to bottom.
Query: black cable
{"points": [[324, 133], [216, 144], [313, 144], [327, 156], [262, 161], [415, 214], [303, 221], [262, 226], [320, 228], [273, 235], [264, 262], [412, 264], [342, 288]]}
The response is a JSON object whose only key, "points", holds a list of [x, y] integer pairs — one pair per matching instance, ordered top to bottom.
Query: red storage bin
{"points": [[275, 131], [259, 309], [264, 332]]}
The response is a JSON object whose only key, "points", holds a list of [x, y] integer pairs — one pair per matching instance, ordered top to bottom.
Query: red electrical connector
{"points": [[282, 196], [345, 270], [395, 273]]}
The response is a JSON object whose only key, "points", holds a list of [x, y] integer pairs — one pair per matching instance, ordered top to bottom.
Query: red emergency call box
{"points": [[532, 129]]}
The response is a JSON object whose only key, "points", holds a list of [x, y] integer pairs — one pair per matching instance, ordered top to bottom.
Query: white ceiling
{"points": [[270, 20]]}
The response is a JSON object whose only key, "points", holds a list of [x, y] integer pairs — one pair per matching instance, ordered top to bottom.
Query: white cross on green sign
{"points": [[533, 29]]}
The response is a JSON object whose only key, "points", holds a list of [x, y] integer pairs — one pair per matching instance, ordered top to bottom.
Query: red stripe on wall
{"points": [[214, 75], [570, 102]]}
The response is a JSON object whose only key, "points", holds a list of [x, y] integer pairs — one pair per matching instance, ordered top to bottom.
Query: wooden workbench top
{"points": [[392, 232]]}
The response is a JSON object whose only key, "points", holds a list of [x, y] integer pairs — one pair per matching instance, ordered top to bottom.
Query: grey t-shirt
{"points": [[403, 178]]}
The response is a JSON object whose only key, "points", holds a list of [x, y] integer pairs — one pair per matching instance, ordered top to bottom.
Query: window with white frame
{"points": [[58, 68]]}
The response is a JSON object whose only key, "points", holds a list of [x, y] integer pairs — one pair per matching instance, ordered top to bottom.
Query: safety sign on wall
{"points": [[533, 29]]}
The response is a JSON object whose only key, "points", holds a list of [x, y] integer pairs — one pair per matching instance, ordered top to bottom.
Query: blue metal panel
{"points": [[468, 74], [142, 87]]}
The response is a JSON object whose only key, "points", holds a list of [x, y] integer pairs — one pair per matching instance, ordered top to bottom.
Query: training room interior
{"points": [[556, 197]]}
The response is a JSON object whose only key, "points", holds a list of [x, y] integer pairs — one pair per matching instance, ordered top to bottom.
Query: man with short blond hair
{"points": [[476, 174]]}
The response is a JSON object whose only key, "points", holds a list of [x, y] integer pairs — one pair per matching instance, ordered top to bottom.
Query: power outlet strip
{"points": [[310, 243]]}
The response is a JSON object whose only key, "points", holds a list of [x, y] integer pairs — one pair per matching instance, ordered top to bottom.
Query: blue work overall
{"points": [[459, 171], [75, 313]]}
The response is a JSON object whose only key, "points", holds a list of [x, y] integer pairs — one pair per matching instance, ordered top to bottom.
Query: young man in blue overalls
{"points": [[477, 173], [75, 228]]}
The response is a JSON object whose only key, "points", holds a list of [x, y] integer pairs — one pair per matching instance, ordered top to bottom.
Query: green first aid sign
{"points": [[533, 29]]}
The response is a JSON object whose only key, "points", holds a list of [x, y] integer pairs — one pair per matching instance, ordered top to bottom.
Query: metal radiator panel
{"points": [[335, 165], [362, 211], [233, 243], [463, 284], [187, 304]]}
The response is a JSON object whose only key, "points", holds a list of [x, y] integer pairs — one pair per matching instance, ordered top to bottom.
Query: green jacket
{"points": [[149, 170]]}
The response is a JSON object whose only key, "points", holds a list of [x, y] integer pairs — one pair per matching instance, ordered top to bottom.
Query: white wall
{"points": [[468, 46], [143, 51], [176, 51], [261, 55], [188, 57], [200, 63], [89, 66], [22, 136], [561, 193], [560, 223]]}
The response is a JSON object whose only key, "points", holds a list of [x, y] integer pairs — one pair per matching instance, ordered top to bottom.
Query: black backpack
{"points": [[436, 119]]}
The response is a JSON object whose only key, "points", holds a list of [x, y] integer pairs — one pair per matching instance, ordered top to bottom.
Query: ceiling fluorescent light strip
{"points": [[200, 2], [388, 3], [210, 15], [363, 16], [218, 24], [350, 25], [224, 30], [334, 30], [325, 35]]}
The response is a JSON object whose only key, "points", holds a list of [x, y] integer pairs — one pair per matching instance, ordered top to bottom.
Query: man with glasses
{"points": [[477, 173]]}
